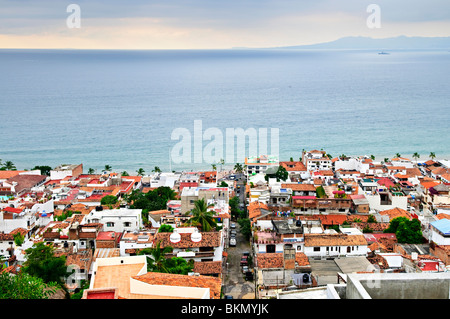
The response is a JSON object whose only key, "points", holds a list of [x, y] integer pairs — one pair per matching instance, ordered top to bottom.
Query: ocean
{"points": [[120, 108]]}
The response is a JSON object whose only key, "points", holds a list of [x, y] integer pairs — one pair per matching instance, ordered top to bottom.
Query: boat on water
{"points": [[382, 52]]}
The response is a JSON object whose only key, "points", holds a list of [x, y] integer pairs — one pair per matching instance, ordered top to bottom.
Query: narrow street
{"points": [[235, 283]]}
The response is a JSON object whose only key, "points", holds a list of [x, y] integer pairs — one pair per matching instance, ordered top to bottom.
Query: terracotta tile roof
{"points": [[293, 166], [413, 172], [9, 174], [26, 181], [429, 183], [299, 187], [254, 209], [396, 212], [442, 216], [332, 219], [10, 236], [209, 239], [313, 240], [301, 259], [270, 260], [378, 261], [208, 267], [154, 278]]}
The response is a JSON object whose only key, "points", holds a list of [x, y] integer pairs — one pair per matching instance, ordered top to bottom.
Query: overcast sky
{"points": [[203, 24]]}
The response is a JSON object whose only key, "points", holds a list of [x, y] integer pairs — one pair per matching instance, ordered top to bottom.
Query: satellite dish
{"points": [[175, 237], [196, 237]]}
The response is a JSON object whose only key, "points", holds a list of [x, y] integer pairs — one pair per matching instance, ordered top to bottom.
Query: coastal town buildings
{"points": [[309, 234]]}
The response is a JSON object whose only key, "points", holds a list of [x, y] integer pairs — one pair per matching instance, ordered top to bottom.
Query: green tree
{"points": [[398, 155], [432, 155], [416, 156], [8, 166], [108, 168], [238, 168], [45, 170], [156, 170], [91, 171], [140, 172], [125, 173], [281, 174], [223, 184], [320, 192], [109, 200], [154, 200], [234, 207], [201, 216], [371, 219], [245, 227], [165, 229], [406, 231], [18, 239], [156, 257], [41, 262], [179, 265], [24, 286]]}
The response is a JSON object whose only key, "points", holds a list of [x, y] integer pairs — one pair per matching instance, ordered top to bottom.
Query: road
{"points": [[235, 283]]}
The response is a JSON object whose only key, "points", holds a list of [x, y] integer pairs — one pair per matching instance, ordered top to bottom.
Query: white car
{"points": [[232, 241]]}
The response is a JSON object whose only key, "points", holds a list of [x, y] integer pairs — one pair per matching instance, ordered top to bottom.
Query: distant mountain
{"points": [[397, 43]]}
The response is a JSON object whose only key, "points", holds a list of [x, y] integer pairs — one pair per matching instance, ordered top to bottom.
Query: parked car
{"points": [[233, 225], [233, 232], [232, 241], [246, 253], [244, 262], [244, 269], [228, 297]]}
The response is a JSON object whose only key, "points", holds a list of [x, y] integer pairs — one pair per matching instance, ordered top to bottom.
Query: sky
{"points": [[211, 24]]}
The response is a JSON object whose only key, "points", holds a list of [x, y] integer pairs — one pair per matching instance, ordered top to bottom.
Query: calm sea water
{"points": [[120, 107]]}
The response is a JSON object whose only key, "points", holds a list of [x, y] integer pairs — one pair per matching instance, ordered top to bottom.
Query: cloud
{"points": [[211, 24]]}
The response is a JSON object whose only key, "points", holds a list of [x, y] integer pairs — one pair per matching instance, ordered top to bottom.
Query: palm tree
{"points": [[398, 155], [432, 155], [416, 156], [372, 157], [386, 159], [221, 162], [9, 166], [214, 167], [238, 167], [108, 168], [156, 169], [91, 171], [140, 172], [124, 173], [201, 216], [156, 261]]}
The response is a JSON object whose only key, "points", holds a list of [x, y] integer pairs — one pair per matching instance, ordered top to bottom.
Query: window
{"points": [[109, 224], [127, 224], [270, 248], [316, 249]]}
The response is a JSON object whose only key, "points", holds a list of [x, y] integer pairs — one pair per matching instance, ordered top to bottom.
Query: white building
{"points": [[316, 161], [256, 165], [117, 220], [440, 232], [321, 246]]}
